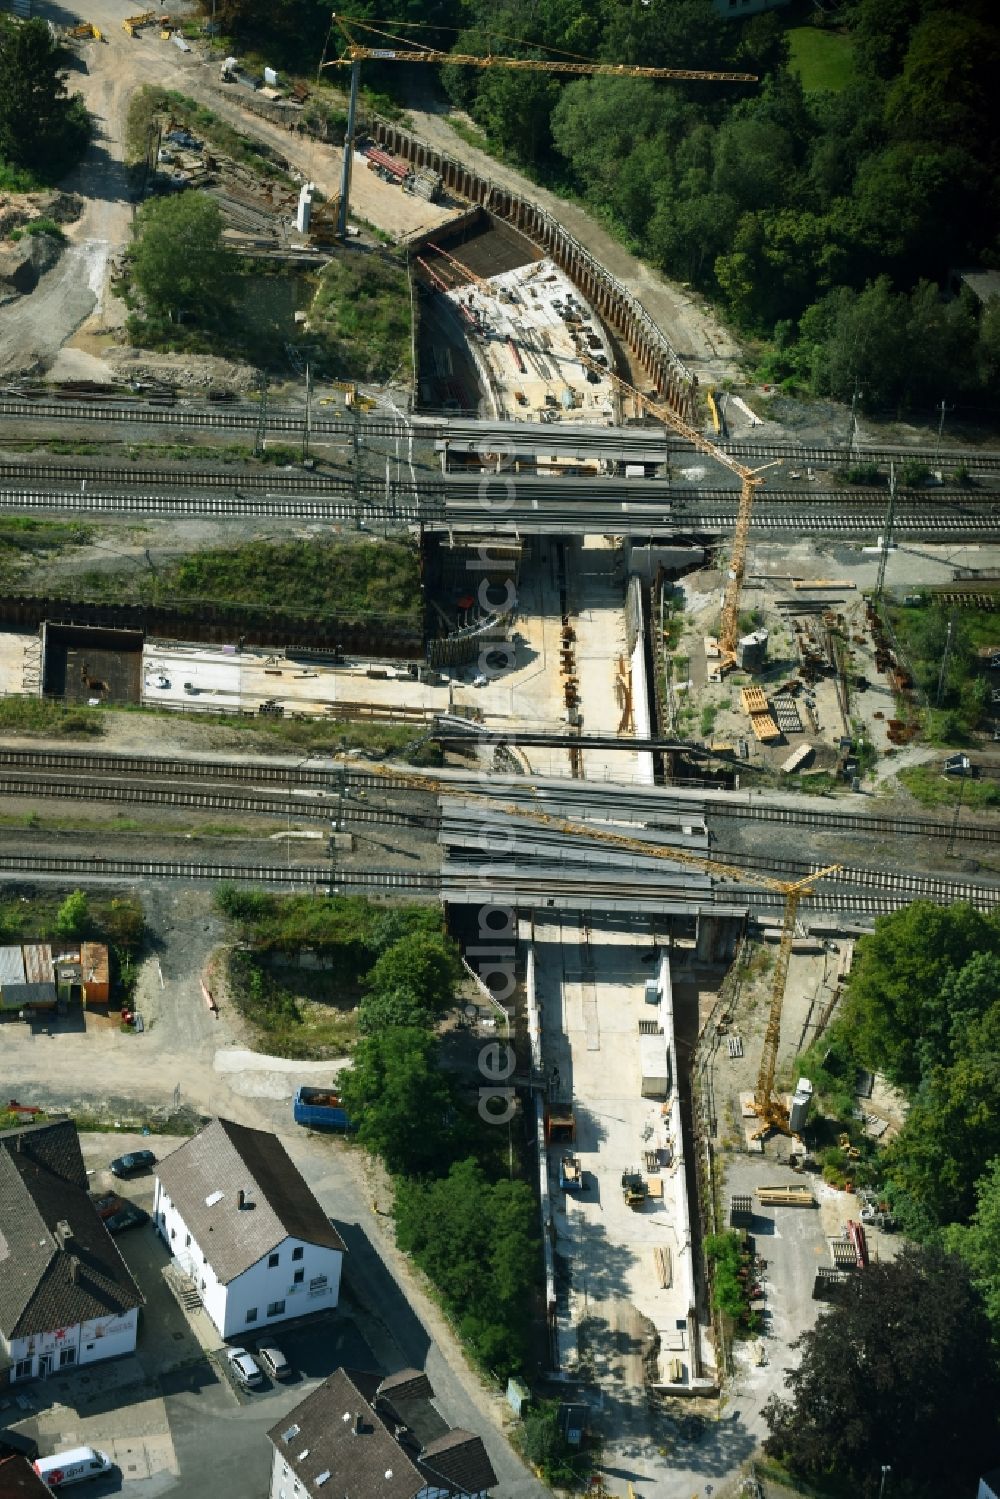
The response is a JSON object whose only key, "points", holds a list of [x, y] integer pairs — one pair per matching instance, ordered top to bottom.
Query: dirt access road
{"points": [[64, 323]]}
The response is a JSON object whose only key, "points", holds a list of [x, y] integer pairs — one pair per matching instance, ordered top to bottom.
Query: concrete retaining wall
{"points": [[674, 384]]}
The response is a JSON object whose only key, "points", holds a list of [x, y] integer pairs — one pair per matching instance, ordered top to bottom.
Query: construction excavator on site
{"points": [[770, 1111]]}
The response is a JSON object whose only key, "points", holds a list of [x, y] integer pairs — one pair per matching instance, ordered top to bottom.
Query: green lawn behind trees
{"points": [[823, 60]]}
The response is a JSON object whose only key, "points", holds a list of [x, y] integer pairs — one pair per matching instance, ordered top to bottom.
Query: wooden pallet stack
{"points": [[755, 706]]}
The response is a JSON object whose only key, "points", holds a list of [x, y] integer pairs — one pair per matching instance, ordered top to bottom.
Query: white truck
{"points": [[73, 1466]]}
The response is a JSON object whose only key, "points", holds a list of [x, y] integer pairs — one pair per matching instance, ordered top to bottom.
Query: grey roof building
{"points": [[240, 1186], [245, 1230], [64, 1288], [375, 1438]]}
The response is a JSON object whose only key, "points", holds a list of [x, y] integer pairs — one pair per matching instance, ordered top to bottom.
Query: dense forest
{"points": [[822, 222]]}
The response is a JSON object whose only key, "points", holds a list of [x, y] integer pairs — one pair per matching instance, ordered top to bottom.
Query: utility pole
{"points": [[345, 176], [854, 420], [307, 432], [940, 432], [356, 444], [258, 446], [890, 516], [943, 674], [958, 808]]}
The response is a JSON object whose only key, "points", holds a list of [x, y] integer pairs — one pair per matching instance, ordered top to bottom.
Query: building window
{"points": [[173, 1234], [187, 1241], [298, 1253], [272, 1260], [299, 1277], [318, 1283], [202, 1286], [276, 1308], [252, 1314], [66, 1356], [23, 1368]]}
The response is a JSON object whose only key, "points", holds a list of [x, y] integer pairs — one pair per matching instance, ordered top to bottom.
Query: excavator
{"points": [[772, 1115]]}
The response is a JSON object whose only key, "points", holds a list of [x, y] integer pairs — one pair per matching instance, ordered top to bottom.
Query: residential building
{"points": [[245, 1230], [66, 1294], [375, 1438], [18, 1479]]}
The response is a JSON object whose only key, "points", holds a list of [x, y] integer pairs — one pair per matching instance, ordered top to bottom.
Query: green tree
{"points": [[948, 78], [42, 127], [178, 261], [73, 916], [396, 922], [125, 923], [423, 964], [905, 979], [388, 1007], [403, 1102], [951, 1132], [978, 1242], [478, 1243], [900, 1371], [543, 1439]]}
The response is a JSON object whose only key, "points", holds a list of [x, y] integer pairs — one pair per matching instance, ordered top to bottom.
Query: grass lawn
{"points": [[822, 59], [360, 315], [347, 579], [932, 789]]}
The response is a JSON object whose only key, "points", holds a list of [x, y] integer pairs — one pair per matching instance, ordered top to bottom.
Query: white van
{"points": [[72, 1466]]}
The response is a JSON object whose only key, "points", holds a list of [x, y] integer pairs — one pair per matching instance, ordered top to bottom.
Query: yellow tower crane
{"points": [[355, 54], [750, 478], [750, 482], [770, 1111]]}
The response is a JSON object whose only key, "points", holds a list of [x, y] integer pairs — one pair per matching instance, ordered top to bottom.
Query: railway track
{"points": [[164, 411], [983, 462], [529, 514], [150, 767], [326, 778], [323, 807], [856, 822], [407, 882]]}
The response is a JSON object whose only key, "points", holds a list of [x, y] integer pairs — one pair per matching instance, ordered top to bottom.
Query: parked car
{"points": [[133, 1163], [107, 1204], [129, 1216], [273, 1361], [243, 1368]]}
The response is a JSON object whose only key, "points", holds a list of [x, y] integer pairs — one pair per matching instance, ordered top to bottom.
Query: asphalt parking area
{"points": [[314, 1348]]}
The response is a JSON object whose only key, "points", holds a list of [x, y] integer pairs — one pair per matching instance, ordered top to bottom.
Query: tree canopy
{"points": [[42, 127], [178, 260], [923, 1007], [403, 1101], [478, 1242], [899, 1371]]}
